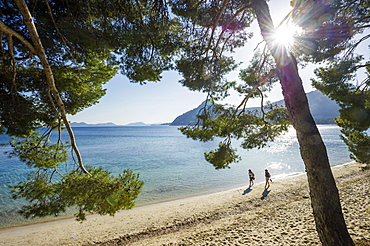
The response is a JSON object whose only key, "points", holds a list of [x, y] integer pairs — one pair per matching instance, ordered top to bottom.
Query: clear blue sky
{"points": [[162, 102]]}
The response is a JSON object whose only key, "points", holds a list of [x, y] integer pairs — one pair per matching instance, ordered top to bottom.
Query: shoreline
{"points": [[239, 215], [53, 220]]}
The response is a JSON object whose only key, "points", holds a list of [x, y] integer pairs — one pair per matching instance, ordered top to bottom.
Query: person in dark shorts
{"points": [[251, 178], [268, 179]]}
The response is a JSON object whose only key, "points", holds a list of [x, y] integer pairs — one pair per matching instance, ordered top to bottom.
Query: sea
{"points": [[171, 165]]}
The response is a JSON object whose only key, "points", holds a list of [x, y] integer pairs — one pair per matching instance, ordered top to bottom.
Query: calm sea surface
{"points": [[171, 165]]}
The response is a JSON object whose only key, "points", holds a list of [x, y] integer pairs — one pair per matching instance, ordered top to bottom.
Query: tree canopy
{"points": [[332, 32], [86, 42], [55, 57]]}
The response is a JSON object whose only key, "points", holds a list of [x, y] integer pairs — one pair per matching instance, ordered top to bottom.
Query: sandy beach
{"points": [[282, 215]]}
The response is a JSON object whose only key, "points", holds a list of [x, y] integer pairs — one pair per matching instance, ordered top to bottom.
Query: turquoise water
{"points": [[171, 165]]}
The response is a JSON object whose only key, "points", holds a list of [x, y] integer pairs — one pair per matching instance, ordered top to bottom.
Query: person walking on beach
{"points": [[251, 178], [268, 179]]}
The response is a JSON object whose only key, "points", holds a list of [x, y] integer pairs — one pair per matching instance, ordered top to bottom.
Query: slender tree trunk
{"points": [[55, 96], [325, 201]]}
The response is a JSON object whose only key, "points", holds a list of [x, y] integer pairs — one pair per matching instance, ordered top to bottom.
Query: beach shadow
{"points": [[249, 189], [265, 194]]}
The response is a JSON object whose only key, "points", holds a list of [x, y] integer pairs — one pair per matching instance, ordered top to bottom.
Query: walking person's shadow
{"points": [[249, 189], [265, 194]]}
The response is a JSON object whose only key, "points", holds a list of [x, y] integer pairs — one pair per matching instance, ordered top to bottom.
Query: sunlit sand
{"points": [[281, 215]]}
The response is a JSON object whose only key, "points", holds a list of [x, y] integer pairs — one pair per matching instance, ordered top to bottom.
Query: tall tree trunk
{"points": [[54, 94], [325, 201]]}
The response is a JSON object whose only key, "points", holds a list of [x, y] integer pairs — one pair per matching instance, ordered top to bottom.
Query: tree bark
{"points": [[40, 52], [329, 220]]}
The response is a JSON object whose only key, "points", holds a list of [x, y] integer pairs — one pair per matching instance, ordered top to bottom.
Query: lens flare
{"points": [[284, 34]]}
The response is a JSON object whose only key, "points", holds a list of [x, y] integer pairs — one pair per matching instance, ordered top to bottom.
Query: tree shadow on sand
{"points": [[249, 189], [265, 194]]}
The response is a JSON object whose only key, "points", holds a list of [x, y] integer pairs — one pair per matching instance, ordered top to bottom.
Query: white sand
{"points": [[234, 217]]}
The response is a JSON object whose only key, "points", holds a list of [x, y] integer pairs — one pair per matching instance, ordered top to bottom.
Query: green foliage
{"points": [[328, 26], [333, 31], [211, 33], [86, 42], [151, 47], [259, 67], [198, 75], [81, 86], [354, 100], [276, 121], [256, 128], [358, 144], [38, 152], [221, 157], [51, 191], [101, 193]]}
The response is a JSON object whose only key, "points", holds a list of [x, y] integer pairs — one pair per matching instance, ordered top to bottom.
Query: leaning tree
{"points": [[214, 30], [55, 57]]}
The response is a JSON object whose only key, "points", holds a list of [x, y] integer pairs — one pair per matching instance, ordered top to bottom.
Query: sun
{"points": [[284, 34]]}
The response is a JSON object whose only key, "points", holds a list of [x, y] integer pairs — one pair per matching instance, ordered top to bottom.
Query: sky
{"points": [[163, 101]]}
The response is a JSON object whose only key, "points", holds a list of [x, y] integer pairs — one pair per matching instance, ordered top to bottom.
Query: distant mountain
{"points": [[322, 109], [188, 118], [83, 124], [138, 124]]}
